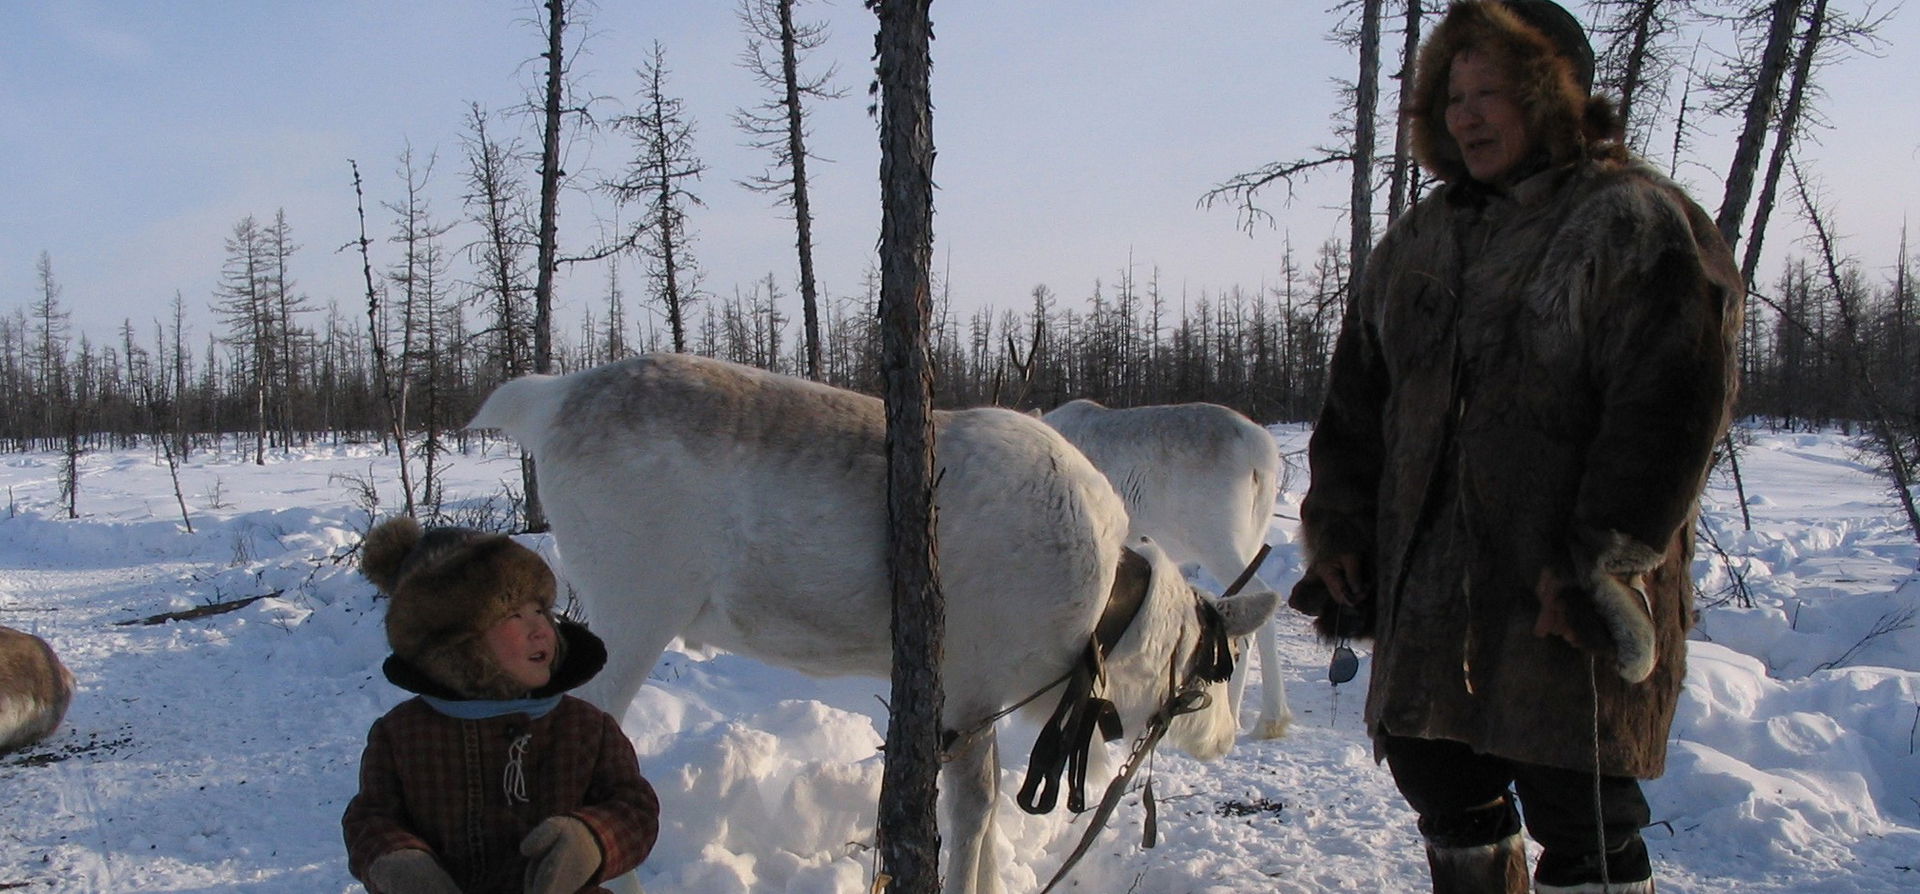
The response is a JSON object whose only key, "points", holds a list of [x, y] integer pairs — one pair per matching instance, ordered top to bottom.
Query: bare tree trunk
{"points": [[776, 47], [1365, 102], [1680, 126], [1783, 139], [1746, 153], [1400, 189], [802, 207], [549, 238], [549, 247], [1903, 318], [382, 373], [260, 417], [185, 443], [70, 462], [908, 831]]}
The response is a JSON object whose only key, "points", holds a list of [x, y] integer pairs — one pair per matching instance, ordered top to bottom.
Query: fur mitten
{"points": [[1604, 599], [562, 855], [409, 871]]}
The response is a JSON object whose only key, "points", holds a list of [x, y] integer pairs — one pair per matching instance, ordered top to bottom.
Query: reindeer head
{"points": [[1171, 654]]}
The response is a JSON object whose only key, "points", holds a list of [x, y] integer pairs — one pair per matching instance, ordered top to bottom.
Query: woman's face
{"points": [[1484, 118], [523, 645]]}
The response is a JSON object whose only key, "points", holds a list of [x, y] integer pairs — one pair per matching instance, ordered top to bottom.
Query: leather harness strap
{"points": [[1124, 601], [1182, 697], [1068, 734]]}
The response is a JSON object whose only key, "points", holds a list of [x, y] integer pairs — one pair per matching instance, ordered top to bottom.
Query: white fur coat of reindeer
{"points": [[1200, 479], [746, 510]]}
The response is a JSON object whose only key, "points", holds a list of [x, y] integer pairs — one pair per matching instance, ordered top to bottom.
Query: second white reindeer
{"points": [[1201, 480]]}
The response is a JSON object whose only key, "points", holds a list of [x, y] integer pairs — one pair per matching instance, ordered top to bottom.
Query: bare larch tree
{"points": [[776, 47], [1636, 58], [1759, 83], [659, 178], [1401, 178], [1243, 190], [496, 201], [244, 302], [908, 831]]}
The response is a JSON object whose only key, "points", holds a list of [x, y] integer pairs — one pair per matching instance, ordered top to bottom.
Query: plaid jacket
{"points": [[441, 784]]}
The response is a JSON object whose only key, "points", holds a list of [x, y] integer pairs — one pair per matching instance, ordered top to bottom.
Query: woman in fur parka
{"points": [[1523, 405]]}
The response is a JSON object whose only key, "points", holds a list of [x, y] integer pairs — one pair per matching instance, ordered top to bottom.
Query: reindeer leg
{"points": [[1275, 715], [970, 784]]}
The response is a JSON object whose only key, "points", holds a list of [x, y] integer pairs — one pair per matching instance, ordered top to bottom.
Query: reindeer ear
{"points": [[1244, 613]]}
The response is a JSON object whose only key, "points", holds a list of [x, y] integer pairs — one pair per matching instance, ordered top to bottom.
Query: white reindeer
{"points": [[1200, 479], [746, 510], [35, 689]]}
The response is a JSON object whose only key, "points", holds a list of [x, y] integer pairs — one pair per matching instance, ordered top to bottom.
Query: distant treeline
{"points": [[1826, 344], [285, 374]]}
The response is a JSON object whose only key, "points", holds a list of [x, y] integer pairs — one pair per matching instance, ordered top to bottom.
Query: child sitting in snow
{"points": [[493, 779]]}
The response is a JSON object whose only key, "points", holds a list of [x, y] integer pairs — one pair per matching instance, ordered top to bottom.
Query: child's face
{"points": [[523, 645]]}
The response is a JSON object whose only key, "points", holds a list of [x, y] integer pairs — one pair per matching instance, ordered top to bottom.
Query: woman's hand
{"points": [[1343, 579], [1335, 591], [1553, 620]]}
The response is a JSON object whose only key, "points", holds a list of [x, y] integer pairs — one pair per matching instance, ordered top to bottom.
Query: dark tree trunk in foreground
{"points": [[909, 835]]}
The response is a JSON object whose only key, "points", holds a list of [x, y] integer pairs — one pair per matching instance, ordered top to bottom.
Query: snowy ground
{"points": [[216, 754]]}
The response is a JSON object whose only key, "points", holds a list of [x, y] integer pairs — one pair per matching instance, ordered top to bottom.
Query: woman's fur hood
{"points": [[1569, 123], [446, 587]]}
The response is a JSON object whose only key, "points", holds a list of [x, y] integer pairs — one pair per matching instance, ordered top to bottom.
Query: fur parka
{"points": [[1527, 380]]}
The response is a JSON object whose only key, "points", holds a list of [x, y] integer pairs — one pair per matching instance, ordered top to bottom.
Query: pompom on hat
{"points": [[447, 586]]}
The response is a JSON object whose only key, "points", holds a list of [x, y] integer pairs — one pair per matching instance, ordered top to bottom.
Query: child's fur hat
{"points": [[446, 587]]}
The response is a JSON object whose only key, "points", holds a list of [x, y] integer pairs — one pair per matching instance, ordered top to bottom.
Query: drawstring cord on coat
{"points": [[514, 779], [1599, 810]]}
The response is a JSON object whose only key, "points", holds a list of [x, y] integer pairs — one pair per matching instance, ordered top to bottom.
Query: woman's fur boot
{"points": [[1498, 868]]}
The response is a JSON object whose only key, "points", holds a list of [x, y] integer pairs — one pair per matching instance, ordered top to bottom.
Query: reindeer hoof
{"points": [[1273, 727]]}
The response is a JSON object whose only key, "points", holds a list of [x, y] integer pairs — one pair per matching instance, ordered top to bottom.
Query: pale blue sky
{"points": [[1074, 137]]}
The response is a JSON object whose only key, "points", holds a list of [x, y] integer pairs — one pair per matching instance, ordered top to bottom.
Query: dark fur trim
{"points": [[1568, 123], [446, 587], [581, 657], [1499, 867]]}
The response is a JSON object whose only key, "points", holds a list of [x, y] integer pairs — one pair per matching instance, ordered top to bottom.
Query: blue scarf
{"points": [[481, 709]]}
